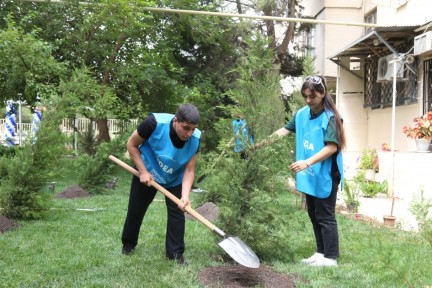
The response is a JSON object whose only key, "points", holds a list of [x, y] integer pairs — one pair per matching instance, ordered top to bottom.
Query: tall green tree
{"points": [[279, 34], [149, 61], [27, 68], [247, 198]]}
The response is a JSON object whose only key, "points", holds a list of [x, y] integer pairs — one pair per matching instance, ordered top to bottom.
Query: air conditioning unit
{"points": [[423, 43], [385, 68]]}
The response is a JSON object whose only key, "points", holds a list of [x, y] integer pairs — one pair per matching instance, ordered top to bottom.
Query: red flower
{"points": [[422, 127]]}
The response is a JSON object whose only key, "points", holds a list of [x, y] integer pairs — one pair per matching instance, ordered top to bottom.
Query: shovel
{"points": [[238, 250]]}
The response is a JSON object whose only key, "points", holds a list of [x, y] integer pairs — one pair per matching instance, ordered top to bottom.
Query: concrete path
{"points": [[377, 207]]}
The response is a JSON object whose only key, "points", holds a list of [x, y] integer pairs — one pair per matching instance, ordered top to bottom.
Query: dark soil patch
{"points": [[73, 192], [209, 211], [6, 224], [233, 275], [236, 276]]}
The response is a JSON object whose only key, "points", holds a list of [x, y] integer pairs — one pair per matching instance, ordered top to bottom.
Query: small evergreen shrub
{"points": [[94, 171], [24, 176], [245, 191]]}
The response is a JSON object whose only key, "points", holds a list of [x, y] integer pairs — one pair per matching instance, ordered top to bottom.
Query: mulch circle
{"points": [[73, 192], [6, 224], [235, 276]]}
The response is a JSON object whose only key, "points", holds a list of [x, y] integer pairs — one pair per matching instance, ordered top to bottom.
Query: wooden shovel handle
{"points": [[168, 194]]}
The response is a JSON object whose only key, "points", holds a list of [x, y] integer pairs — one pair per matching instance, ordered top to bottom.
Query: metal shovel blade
{"points": [[240, 252]]}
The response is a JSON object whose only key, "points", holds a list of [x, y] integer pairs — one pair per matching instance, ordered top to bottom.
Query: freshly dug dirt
{"points": [[73, 192], [209, 211], [6, 224], [236, 276]]}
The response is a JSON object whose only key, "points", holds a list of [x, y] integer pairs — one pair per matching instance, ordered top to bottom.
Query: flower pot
{"points": [[422, 145], [369, 174], [389, 220]]}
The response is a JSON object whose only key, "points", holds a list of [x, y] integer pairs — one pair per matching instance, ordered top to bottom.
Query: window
{"points": [[370, 18], [380, 94]]}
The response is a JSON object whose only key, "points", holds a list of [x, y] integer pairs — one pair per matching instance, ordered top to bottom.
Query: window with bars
{"points": [[379, 95]]}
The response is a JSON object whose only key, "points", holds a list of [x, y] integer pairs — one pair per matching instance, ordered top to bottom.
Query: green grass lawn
{"points": [[72, 248]]}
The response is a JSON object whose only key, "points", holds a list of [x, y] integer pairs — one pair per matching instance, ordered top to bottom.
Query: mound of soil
{"points": [[73, 192], [209, 211], [6, 224], [233, 275], [236, 276]]}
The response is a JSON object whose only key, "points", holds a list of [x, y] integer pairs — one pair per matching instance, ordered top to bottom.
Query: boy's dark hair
{"points": [[188, 113]]}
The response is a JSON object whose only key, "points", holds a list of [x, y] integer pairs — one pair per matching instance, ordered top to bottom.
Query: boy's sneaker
{"points": [[127, 249], [313, 258], [179, 259], [322, 262]]}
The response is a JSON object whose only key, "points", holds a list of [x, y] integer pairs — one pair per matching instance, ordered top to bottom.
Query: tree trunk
{"points": [[289, 33], [103, 135]]}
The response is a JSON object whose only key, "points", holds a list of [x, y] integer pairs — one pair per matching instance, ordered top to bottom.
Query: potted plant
{"points": [[421, 131], [369, 163], [372, 188], [351, 197]]}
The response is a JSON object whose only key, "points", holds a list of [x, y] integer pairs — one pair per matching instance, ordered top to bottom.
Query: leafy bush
{"points": [[369, 159], [370, 188], [351, 196]]}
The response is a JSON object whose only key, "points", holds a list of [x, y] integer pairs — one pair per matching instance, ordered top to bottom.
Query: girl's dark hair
{"points": [[321, 87], [188, 113]]}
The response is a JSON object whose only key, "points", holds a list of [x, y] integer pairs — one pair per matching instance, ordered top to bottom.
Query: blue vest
{"points": [[310, 134], [241, 136], [162, 159]]}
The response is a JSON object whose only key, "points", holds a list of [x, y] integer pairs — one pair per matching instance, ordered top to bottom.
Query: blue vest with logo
{"points": [[241, 134], [310, 134], [162, 159]]}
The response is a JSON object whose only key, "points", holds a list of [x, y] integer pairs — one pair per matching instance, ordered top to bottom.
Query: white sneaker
{"points": [[313, 258], [321, 262]]}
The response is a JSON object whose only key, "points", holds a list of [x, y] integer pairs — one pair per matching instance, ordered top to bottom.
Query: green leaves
{"points": [[27, 68]]}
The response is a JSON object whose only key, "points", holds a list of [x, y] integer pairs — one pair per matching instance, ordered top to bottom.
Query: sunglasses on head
{"points": [[315, 80]]}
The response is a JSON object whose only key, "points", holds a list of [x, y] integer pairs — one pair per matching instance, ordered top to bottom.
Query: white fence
{"points": [[82, 125]]}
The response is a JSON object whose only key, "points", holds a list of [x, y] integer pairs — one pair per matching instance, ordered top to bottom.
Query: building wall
{"points": [[402, 12], [330, 38], [350, 104], [366, 128]]}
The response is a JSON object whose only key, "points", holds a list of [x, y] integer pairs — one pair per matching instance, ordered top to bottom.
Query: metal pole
{"points": [[233, 15], [20, 123], [75, 129], [393, 131]]}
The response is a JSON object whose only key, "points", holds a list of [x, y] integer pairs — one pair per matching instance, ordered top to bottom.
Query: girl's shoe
{"points": [[313, 258], [321, 262]]}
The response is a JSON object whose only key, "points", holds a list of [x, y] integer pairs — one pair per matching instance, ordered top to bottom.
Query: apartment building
{"points": [[359, 65]]}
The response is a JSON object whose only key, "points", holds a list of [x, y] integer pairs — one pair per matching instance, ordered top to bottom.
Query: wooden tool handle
{"points": [[168, 194]]}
